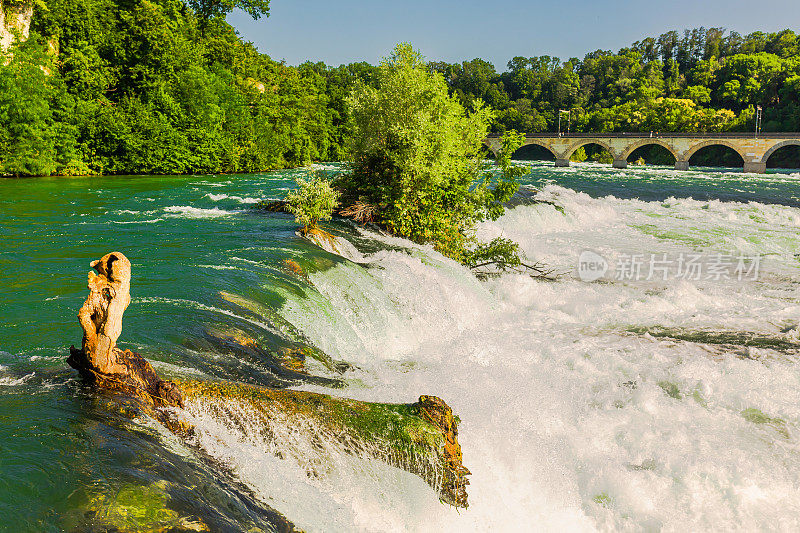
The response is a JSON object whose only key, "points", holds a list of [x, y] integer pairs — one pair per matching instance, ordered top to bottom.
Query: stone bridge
{"points": [[754, 150]]}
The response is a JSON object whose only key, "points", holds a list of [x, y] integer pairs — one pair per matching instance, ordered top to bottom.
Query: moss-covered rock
{"points": [[421, 438]]}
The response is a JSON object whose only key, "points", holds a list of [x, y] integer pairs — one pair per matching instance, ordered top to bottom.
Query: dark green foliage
{"points": [[208, 10], [703, 80], [167, 86], [152, 87], [31, 139], [417, 156], [502, 253]]}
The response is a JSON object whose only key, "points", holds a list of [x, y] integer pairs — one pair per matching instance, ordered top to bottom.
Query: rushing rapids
{"points": [[669, 402]]}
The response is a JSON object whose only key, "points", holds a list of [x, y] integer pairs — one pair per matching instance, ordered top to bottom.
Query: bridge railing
{"points": [[660, 135]]}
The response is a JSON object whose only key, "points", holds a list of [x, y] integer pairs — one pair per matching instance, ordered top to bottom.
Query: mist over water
{"points": [[620, 404]]}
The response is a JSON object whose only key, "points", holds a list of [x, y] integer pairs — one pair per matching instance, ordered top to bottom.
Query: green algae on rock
{"points": [[421, 438], [131, 509]]}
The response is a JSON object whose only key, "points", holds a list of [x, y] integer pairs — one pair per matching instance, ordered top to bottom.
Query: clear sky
{"points": [[345, 31]]}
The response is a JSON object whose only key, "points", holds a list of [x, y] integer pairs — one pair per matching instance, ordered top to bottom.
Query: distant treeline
{"points": [[703, 80], [166, 86]]}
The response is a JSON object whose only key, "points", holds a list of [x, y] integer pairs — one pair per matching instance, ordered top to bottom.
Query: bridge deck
{"points": [[660, 135]]}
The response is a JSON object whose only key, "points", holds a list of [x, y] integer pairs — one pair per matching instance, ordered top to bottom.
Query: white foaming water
{"points": [[218, 197], [185, 211], [335, 245], [9, 381], [573, 415], [313, 484]]}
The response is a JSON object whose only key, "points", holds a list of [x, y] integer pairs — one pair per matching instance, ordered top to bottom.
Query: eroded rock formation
{"points": [[14, 19], [99, 360]]}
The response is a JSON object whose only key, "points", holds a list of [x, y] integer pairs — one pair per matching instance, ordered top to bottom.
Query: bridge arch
{"points": [[537, 142], [585, 142], [647, 142], [782, 144], [687, 155]]}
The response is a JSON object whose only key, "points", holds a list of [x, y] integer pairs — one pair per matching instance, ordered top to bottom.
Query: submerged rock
{"points": [[273, 206], [421, 438], [131, 509]]}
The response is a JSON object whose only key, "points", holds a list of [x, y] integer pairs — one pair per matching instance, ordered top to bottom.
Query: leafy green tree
{"points": [[208, 10], [27, 137], [418, 154], [312, 201]]}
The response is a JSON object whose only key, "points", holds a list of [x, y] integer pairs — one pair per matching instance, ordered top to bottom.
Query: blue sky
{"points": [[345, 31]]}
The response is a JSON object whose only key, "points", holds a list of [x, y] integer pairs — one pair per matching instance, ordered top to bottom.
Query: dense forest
{"points": [[704, 80], [167, 86], [153, 87]]}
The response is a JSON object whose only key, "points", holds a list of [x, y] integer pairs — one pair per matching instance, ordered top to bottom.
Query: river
{"points": [[663, 395]]}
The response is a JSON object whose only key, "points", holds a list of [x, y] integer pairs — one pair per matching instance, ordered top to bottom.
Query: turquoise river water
{"points": [[649, 399]]}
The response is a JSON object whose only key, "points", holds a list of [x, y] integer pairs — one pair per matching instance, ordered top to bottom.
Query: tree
{"points": [[208, 10], [27, 135], [418, 156], [312, 201]]}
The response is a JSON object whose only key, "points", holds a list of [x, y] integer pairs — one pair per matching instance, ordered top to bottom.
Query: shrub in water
{"points": [[312, 201]]}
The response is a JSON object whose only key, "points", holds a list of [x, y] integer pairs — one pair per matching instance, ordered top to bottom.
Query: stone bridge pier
{"points": [[754, 151]]}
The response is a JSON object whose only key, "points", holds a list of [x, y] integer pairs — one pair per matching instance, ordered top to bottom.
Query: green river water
{"points": [[534, 369]]}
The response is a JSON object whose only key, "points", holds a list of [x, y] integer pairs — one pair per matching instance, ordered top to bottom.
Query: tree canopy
{"points": [[212, 9], [701, 80], [167, 86], [120, 87], [417, 155]]}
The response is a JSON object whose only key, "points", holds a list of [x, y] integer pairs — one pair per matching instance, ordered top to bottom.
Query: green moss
{"points": [[671, 389], [698, 397], [756, 416], [396, 426], [399, 434], [604, 500]]}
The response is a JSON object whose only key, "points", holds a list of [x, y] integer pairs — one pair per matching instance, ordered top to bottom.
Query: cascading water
{"points": [[619, 404]]}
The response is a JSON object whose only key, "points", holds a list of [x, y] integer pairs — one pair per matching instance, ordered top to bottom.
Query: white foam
{"points": [[241, 200], [185, 211], [148, 221], [335, 245], [219, 267], [197, 305], [13, 382], [569, 421]]}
